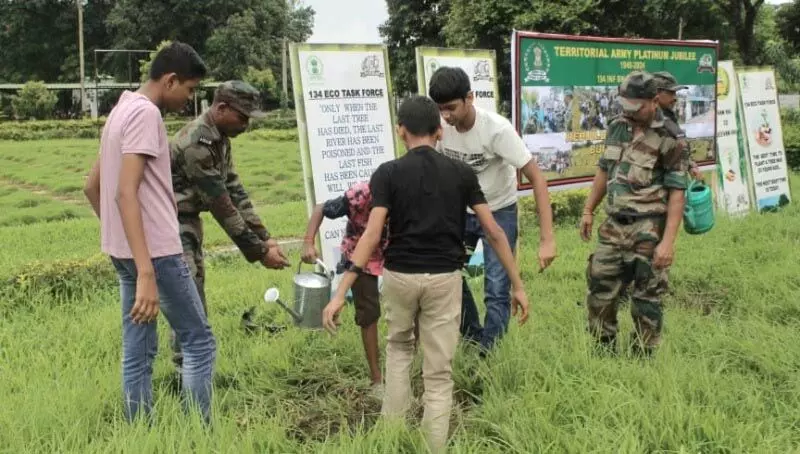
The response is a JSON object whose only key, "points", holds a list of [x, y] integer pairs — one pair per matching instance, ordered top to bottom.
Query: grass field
{"points": [[271, 170], [724, 382]]}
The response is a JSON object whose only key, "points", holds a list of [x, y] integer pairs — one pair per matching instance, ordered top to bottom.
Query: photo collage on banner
{"points": [[565, 95]]}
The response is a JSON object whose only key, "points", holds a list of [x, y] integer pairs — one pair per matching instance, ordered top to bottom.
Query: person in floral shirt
{"points": [[355, 203]]}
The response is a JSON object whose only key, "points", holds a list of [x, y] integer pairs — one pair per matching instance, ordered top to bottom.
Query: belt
{"points": [[630, 218]]}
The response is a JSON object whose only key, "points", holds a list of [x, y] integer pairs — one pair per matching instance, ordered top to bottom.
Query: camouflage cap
{"points": [[668, 82], [637, 87], [241, 96]]}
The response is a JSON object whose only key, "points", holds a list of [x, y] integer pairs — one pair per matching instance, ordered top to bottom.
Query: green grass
{"points": [[270, 170], [22, 207], [80, 238], [724, 381]]}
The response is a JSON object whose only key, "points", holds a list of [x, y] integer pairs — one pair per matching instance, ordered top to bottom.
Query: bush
{"points": [[34, 101], [790, 120], [567, 206], [56, 282]]}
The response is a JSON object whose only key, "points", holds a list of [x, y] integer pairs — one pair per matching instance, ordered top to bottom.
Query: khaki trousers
{"points": [[434, 300]]}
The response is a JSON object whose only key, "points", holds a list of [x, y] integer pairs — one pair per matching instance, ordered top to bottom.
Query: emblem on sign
{"points": [[537, 64], [706, 64], [371, 67], [314, 68], [482, 71]]}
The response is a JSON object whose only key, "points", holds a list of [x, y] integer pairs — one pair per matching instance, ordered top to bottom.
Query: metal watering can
{"points": [[312, 291]]}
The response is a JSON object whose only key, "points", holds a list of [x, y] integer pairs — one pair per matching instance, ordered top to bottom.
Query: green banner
{"points": [[561, 62], [565, 96]]}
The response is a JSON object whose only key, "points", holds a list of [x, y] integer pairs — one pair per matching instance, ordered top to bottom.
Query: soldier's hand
{"points": [[696, 173], [586, 226], [309, 253], [663, 255], [275, 259], [519, 305]]}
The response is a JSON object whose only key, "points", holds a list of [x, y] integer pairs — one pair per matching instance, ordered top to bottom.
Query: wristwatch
{"points": [[355, 269]]}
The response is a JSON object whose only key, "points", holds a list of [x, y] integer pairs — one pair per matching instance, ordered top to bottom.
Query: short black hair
{"points": [[179, 58], [447, 84], [419, 115]]}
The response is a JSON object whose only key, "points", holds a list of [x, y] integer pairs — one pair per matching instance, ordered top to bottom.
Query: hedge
{"points": [[91, 129], [56, 282]]}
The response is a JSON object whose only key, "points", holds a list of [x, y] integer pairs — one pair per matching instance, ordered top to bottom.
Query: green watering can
{"points": [[698, 213]]}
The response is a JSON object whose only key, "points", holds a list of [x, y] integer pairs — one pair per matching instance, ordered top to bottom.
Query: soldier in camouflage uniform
{"points": [[667, 87], [644, 172], [204, 179]]}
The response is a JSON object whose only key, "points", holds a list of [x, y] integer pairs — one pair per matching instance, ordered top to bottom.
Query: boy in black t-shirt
{"points": [[423, 196]]}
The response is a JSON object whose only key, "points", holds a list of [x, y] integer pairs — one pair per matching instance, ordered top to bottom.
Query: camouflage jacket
{"points": [[671, 125], [642, 171], [204, 179]]}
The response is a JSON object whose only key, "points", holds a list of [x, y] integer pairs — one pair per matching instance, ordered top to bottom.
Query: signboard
{"points": [[479, 64], [564, 90], [345, 120], [764, 138], [734, 194]]}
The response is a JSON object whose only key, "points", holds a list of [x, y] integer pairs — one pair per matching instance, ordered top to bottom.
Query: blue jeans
{"points": [[497, 284], [180, 303]]}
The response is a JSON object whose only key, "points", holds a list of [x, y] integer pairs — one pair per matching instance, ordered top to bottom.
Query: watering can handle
{"points": [[319, 262]]}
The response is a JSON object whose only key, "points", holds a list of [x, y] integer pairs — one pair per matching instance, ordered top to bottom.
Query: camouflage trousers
{"points": [[191, 232], [624, 256]]}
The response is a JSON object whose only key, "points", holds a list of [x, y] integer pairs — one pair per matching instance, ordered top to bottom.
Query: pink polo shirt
{"points": [[135, 126]]}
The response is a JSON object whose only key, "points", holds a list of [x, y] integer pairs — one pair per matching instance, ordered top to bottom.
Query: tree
{"points": [[743, 14], [788, 20], [411, 23], [219, 30], [39, 38], [231, 50], [264, 81], [34, 101]]}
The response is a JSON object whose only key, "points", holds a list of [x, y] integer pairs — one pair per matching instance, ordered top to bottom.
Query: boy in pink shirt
{"points": [[130, 190]]}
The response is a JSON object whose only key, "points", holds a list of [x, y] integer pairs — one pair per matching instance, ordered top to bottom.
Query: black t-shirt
{"points": [[426, 194]]}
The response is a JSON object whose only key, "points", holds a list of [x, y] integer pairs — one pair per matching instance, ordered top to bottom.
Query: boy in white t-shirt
{"points": [[490, 145]]}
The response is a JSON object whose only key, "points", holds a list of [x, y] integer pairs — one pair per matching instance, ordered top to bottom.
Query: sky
{"points": [[356, 21]]}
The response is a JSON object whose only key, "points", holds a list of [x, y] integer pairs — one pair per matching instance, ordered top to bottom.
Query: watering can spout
{"points": [[272, 296]]}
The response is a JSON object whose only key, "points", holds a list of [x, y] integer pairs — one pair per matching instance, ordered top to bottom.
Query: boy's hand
{"points": [[547, 253], [310, 254], [519, 304], [145, 309], [330, 315]]}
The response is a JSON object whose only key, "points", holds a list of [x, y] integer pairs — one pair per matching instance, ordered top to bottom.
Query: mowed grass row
{"points": [[270, 170], [26, 206], [80, 238], [723, 382]]}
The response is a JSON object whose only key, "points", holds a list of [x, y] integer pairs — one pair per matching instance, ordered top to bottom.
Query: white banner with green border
{"points": [[479, 64], [345, 120]]}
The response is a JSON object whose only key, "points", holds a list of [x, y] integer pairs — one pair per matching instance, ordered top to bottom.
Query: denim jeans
{"points": [[497, 284], [180, 303]]}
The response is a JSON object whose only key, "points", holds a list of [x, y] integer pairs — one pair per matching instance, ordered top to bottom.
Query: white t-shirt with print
{"points": [[494, 150]]}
